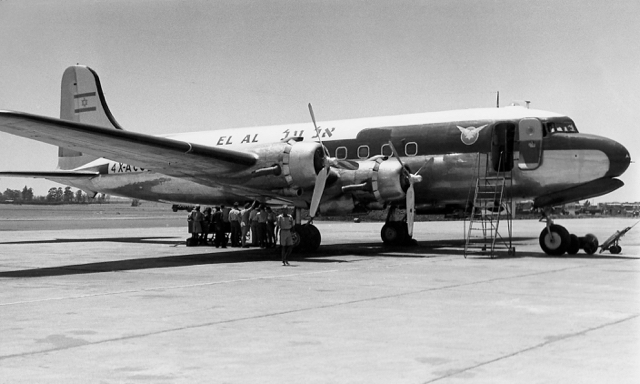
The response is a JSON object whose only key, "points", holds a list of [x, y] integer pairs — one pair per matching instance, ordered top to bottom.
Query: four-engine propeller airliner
{"points": [[424, 163]]}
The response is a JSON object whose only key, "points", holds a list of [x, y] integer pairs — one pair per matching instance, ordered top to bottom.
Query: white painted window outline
{"points": [[363, 147], [386, 147], [340, 149], [415, 149]]}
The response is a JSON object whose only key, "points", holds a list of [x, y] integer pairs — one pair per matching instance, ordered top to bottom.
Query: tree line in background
{"points": [[54, 196]]}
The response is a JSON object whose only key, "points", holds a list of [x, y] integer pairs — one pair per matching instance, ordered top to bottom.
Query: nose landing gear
{"points": [[555, 240]]}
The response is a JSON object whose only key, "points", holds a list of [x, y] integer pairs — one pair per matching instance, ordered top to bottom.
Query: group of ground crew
{"points": [[234, 225]]}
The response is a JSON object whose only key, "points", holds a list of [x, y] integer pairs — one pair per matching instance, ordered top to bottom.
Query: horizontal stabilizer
{"points": [[160, 154], [49, 174]]}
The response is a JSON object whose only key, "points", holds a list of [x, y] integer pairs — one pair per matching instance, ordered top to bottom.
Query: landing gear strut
{"points": [[395, 232], [555, 240]]}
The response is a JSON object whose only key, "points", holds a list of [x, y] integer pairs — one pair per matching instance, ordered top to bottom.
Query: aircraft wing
{"points": [[162, 155], [50, 174]]}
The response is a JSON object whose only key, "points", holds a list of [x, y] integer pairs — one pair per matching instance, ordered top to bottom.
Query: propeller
{"points": [[321, 178], [410, 194]]}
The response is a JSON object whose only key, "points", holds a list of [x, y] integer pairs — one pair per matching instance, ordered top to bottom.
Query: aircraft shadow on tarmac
{"points": [[141, 240], [326, 254]]}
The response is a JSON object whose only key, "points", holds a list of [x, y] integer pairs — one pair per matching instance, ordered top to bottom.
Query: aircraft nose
{"points": [[619, 158]]}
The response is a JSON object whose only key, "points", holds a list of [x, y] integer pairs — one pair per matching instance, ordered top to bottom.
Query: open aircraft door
{"points": [[530, 137]]}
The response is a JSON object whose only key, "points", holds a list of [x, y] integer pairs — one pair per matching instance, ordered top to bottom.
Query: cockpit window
{"points": [[559, 125]]}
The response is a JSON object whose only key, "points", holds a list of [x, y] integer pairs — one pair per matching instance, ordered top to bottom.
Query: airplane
{"points": [[424, 163]]}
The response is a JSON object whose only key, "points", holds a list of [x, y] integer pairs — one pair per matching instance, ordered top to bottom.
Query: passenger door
{"points": [[530, 136]]}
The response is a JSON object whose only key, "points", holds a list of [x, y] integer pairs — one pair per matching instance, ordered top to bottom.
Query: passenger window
{"points": [[411, 149], [386, 150], [363, 151], [341, 153]]}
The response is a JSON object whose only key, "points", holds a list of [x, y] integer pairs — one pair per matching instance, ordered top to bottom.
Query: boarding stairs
{"points": [[492, 205]]}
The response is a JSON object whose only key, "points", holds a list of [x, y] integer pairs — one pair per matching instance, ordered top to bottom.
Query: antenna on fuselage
{"points": [[497, 99], [527, 102]]}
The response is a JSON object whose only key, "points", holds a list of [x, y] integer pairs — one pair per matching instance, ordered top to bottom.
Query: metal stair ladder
{"points": [[491, 204]]}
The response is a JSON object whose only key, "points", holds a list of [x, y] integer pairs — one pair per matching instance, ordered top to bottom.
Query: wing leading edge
{"points": [[163, 155], [50, 174]]}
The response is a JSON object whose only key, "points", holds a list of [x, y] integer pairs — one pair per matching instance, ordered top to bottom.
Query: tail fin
{"points": [[82, 101]]}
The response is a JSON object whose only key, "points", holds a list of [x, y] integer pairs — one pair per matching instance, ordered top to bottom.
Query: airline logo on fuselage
{"points": [[470, 135]]}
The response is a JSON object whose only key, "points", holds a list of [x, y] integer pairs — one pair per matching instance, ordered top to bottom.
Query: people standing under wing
{"points": [[197, 217], [234, 221], [253, 223], [245, 224], [284, 225], [206, 226], [226, 226], [271, 226], [262, 227], [218, 228], [193, 239]]}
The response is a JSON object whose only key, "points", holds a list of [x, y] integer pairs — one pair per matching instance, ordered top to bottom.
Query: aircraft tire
{"points": [[394, 233], [296, 236], [306, 237], [314, 237], [556, 242], [589, 243], [574, 245], [616, 249]]}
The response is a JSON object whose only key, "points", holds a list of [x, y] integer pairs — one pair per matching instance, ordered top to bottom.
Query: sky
{"points": [[184, 66]]}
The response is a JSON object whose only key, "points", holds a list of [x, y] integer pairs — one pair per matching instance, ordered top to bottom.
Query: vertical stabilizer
{"points": [[82, 101]]}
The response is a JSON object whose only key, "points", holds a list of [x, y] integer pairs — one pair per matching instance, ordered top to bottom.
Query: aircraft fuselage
{"points": [[544, 165]]}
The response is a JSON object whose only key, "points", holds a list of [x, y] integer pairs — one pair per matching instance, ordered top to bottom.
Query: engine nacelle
{"points": [[302, 164], [285, 167], [375, 181]]}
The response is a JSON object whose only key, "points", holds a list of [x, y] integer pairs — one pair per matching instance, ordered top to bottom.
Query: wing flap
{"points": [[163, 155]]}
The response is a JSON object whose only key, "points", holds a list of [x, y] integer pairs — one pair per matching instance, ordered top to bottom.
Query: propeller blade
{"points": [[313, 118], [395, 153], [328, 161], [344, 164], [424, 165], [321, 178], [318, 189], [411, 193], [411, 211]]}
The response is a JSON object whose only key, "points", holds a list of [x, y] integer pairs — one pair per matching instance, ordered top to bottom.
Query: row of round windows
{"points": [[410, 149]]}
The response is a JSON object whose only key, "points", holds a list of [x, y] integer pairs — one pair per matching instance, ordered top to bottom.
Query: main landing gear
{"points": [[395, 232], [306, 237], [555, 240]]}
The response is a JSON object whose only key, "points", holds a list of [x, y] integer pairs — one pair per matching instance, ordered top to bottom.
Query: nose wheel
{"points": [[555, 240]]}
